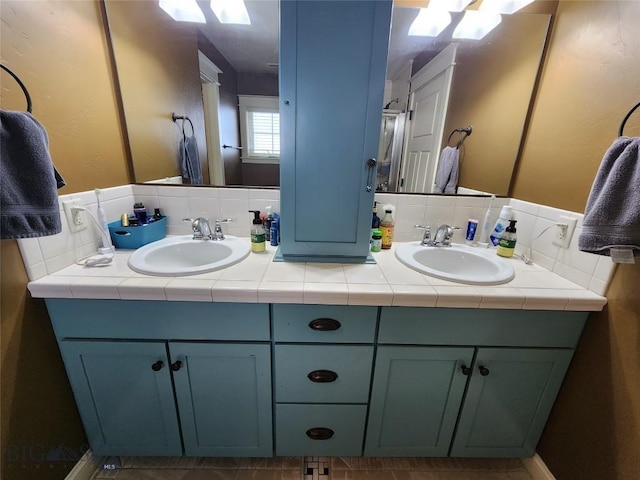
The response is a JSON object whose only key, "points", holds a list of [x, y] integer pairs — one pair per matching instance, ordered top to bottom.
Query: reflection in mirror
{"points": [[197, 71], [160, 72], [487, 84]]}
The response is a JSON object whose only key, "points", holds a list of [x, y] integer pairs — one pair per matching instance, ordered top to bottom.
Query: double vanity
{"points": [[291, 359]]}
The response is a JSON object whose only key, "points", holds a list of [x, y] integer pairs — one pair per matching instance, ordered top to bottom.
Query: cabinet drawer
{"points": [[151, 320], [324, 323], [457, 326], [323, 373], [297, 424]]}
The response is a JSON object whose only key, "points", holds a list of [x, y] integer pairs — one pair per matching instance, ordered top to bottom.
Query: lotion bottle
{"points": [[257, 233]]}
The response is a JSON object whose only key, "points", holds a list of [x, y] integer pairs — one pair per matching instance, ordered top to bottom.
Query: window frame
{"points": [[255, 103]]}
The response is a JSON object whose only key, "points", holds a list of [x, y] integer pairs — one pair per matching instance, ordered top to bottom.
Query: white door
{"points": [[429, 98], [211, 101]]}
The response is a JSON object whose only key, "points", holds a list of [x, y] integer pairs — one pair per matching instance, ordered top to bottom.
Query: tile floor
{"points": [[312, 468]]}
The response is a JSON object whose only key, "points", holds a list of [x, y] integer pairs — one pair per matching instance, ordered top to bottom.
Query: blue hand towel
{"points": [[190, 161], [447, 173], [28, 196], [612, 214]]}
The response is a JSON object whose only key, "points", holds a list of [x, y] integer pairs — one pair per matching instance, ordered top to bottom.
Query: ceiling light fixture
{"points": [[450, 5], [503, 6], [183, 10], [231, 11], [430, 22], [476, 24]]}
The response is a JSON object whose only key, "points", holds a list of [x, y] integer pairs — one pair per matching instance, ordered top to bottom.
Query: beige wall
{"points": [[58, 49], [158, 71], [591, 78], [590, 81], [492, 89]]}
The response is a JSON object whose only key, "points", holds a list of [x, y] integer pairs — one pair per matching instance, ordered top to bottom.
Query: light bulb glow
{"points": [[183, 10], [231, 11], [430, 22], [476, 24]]}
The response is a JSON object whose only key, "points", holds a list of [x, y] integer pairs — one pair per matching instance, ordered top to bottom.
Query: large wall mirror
{"points": [[205, 72]]}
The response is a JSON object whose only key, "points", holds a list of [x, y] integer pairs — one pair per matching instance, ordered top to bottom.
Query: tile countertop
{"points": [[259, 280]]}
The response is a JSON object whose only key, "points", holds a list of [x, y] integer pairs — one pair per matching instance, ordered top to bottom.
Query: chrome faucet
{"points": [[201, 228], [217, 228], [426, 237], [442, 238]]}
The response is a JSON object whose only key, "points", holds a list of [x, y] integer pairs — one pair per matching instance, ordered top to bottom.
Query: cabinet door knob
{"points": [[324, 324], [157, 366], [175, 366], [465, 370], [484, 371], [322, 376], [320, 433]]}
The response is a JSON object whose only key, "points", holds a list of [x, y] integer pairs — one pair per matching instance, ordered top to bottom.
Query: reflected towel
{"points": [[190, 160], [447, 173], [29, 200], [612, 214]]}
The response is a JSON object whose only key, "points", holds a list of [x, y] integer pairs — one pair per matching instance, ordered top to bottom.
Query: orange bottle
{"points": [[386, 226]]}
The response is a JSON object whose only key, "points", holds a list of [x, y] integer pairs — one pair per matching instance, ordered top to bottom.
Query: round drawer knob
{"points": [[324, 324], [157, 366], [465, 370], [484, 371], [322, 376], [320, 433]]}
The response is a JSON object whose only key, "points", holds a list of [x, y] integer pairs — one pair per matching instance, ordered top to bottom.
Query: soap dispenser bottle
{"points": [[506, 214], [257, 233], [508, 240]]}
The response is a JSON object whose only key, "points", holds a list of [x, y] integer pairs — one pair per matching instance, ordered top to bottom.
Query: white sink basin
{"points": [[181, 255], [457, 263]]}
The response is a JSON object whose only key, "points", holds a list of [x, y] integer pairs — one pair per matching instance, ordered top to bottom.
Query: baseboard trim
{"points": [[85, 468], [537, 468]]}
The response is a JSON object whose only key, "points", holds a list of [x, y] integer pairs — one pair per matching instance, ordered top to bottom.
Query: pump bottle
{"points": [[506, 214], [257, 233], [508, 240]]}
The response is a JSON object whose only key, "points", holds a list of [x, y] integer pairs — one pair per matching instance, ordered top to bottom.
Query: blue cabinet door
{"points": [[333, 59], [124, 394], [510, 395], [224, 398], [415, 399]]}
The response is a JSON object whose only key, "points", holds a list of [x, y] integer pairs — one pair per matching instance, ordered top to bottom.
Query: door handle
{"points": [[371, 165], [324, 324], [322, 376], [320, 433]]}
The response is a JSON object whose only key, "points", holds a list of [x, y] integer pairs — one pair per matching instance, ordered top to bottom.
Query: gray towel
{"points": [[190, 161], [447, 173], [29, 200], [612, 214]]}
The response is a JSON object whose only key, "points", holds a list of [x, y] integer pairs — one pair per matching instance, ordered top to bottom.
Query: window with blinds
{"points": [[263, 132]]}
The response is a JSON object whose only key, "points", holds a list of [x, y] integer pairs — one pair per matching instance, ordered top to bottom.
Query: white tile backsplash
{"points": [[46, 255]]}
